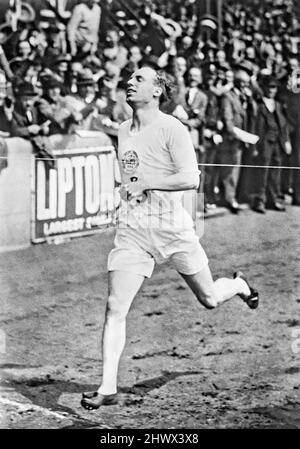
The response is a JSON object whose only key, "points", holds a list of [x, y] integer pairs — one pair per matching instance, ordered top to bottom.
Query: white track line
{"points": [[28, 406]]}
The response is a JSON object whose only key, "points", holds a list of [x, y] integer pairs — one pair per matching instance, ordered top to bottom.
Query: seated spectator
{"points": [[83, 27], [38, 41], [56, 44], [24, 50], [113, 51], [24, 55], [135, 57], [221, 58], [60, 67], [177, 67], [59, 70], [30, 71], [71, 79], [110, 80], [85, 99], [53, 107], [121, 110], [25, 115], [104, 120]]}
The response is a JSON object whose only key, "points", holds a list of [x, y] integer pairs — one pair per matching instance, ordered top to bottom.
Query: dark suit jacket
{"points": [[196, 110], [212, 113], [232, 113], [196, 115], [20, 123], [5, 124], [261, 128]]}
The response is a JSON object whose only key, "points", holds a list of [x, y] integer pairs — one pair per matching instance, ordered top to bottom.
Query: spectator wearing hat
{"points": [[83, 27], [57, 44], [24, 50], [113, 50], [24, 56], [135, 57], [221, 58], [60, 67], [177, 67], [30, 71], [71, 79], [223, 81], [248, 98], [83, 101], [86, 101], [53, 107], [233, 113], [25, 115], [272, 129], [211, 139]]}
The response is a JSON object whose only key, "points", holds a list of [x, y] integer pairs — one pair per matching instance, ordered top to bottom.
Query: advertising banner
{"points": [[76, 197]]}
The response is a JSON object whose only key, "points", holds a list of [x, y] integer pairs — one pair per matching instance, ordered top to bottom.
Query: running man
{"points": [[158, 162]]}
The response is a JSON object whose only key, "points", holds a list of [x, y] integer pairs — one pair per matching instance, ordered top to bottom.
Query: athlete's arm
{"points": [[183, 160], [177, 182]]}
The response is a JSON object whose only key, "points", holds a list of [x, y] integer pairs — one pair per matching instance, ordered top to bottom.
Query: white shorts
{"points": [[138, 249]]}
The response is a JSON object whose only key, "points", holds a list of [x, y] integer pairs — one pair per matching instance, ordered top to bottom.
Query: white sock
{"points": [[243, 287], [105, 391]]}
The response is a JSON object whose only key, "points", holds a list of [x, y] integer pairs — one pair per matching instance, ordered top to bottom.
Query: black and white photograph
{"points": [[149, 217]]}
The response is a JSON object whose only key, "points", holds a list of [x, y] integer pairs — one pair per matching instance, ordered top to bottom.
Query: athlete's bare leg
{"points": [[123, 287], [212, 293]]}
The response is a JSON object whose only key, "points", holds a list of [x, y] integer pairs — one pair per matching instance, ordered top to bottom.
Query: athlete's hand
{"points": [[135, 189], [132, 190]]}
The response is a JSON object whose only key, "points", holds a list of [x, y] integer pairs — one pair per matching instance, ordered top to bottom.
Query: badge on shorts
{"points": [[130, 161]]}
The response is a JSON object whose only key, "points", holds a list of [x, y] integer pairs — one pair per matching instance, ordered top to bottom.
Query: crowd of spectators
{"points": [[67, 72]]}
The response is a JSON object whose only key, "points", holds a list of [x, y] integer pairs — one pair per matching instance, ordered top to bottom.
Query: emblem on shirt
{"points": [[130, 161]]}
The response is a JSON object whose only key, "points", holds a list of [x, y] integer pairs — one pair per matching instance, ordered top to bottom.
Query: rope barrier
{"points": [[251, 166], [278, 167]]}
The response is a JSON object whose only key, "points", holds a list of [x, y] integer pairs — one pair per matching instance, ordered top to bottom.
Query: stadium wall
{"points": [[17, 190], [15, 196]]}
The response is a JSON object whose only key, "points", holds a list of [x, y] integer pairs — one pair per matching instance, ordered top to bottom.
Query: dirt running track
{"points": [[183, 367]]}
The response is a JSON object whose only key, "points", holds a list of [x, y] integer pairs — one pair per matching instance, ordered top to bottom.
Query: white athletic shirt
{"points": [[160, 149]]}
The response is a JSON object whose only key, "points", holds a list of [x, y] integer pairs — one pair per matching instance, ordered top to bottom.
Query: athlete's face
{"points": [[141, 87]]}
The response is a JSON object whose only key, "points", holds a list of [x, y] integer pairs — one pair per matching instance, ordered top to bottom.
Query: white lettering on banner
{"points": [[78, 164], [65, 183], [92, 184], [80, 185], [43, 212], [96, 220], [59, 227]]}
